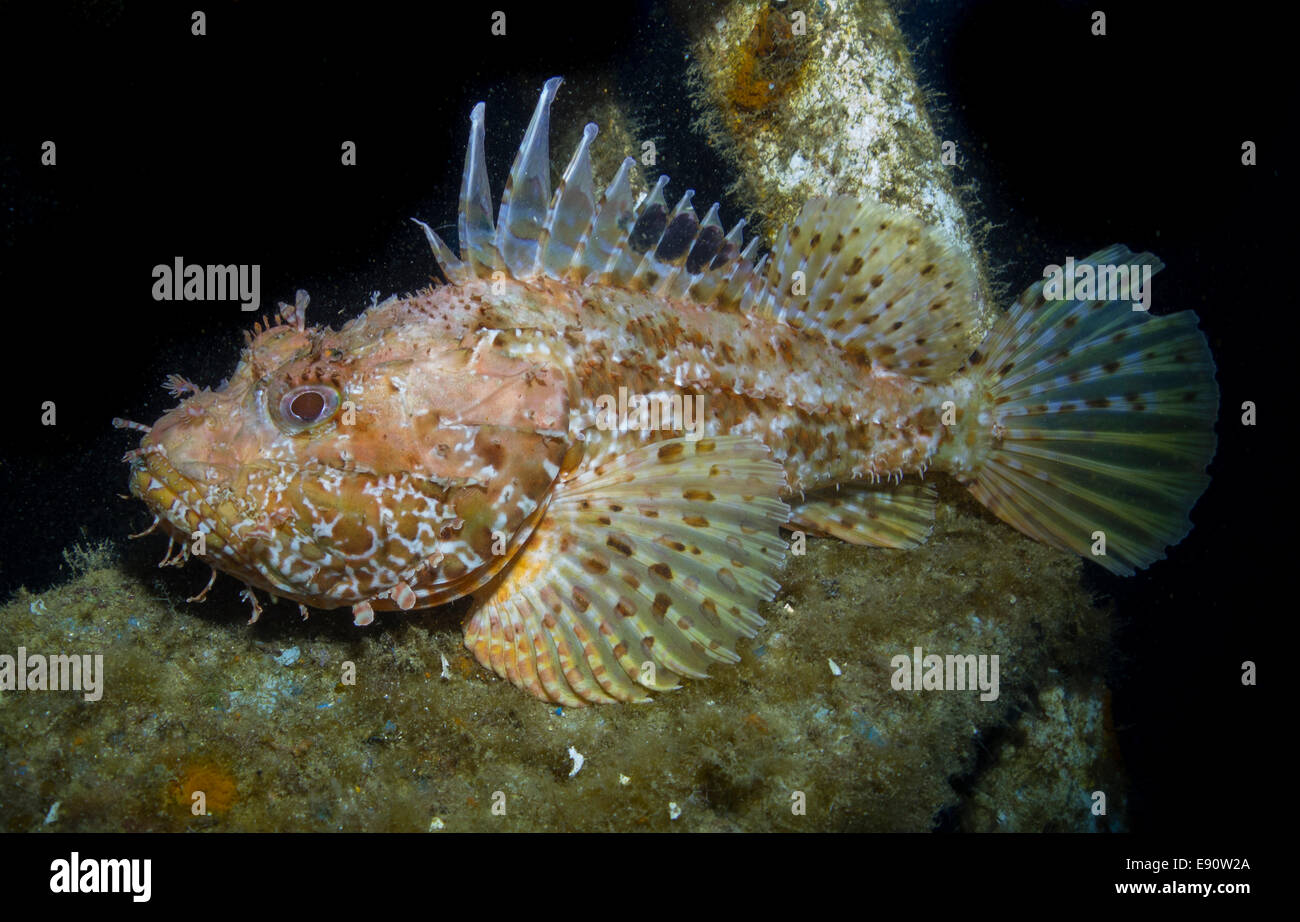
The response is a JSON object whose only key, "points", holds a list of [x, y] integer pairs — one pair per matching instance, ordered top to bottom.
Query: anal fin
{"points": [[896, 516], [659, 557]]}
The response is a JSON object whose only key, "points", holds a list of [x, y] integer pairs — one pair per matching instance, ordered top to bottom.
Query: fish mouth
{"points": [[175, 499], [179, 505]]}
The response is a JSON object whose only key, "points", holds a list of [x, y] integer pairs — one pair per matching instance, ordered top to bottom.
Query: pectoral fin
{"points": [[643, 569]]}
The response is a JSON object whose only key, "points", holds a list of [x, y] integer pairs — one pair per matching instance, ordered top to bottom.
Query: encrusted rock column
{"points": [[818, 97]]}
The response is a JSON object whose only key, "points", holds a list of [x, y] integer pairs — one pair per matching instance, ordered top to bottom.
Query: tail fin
{"points": [[1090, 416]]}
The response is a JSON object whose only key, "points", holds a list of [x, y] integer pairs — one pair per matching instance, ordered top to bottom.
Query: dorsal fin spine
{"points": [[528, 192], [652, 209], [572, 212], [609, 226], [477, 233], [701, 250], [665, 256], [452, 267]]}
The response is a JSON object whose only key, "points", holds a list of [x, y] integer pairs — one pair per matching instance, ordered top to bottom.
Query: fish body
{"points": [[599, 427]]}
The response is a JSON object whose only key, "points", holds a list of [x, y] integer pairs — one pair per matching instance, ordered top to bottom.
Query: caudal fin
{"points": [[1087, 416]]}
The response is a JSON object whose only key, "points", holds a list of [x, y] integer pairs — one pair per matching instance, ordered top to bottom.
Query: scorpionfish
{"points": [[458, 441]]}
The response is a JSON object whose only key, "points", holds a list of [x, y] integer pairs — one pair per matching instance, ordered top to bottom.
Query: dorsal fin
{"points": [[572, 235], [871, 279]]}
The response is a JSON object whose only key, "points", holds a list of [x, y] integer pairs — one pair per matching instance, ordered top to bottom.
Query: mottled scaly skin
{"points": [[468, 402], [827, 416]]}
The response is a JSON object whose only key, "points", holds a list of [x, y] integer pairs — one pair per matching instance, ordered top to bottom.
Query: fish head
{"points": [[393, 463]]}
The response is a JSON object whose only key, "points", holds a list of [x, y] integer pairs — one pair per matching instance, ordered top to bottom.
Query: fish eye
{"points": [[305, 406]]}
